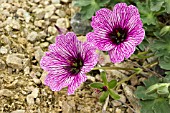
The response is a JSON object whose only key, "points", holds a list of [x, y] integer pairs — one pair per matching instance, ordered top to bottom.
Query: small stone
{"points": [[36, 1], [55, 1], [66, 1], [39, 13], [60, 13], [48, 14], [54, 18], [39, 23], [63, 23], [15, 24], [80, 26], [51, 30], [42, 34], [32, 36], [51, 39], [44, 44], [3, 50], [38, 54], [13, 61], [2, 64], [27, 70], [43, 76], [91, 78], [37, 81], [6, 92], [35, 92], [30, 100], [38, 101], [116, 103], [66, 108], [118, 110], [18, 111]]}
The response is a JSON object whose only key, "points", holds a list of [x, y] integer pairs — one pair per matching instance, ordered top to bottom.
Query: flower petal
{"points": [[103, 20], [102, 43], [116, 55], [89, 57], [80, 78], [56, 83]]}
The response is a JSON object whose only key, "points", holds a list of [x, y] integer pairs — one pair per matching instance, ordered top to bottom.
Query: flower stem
{"points": [[115, 68], [128, 78]]}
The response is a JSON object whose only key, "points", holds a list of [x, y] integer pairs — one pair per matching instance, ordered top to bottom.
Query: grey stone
{"points": [[55, 1], [66, 1], [60, 13], [63, 23], [80, 26], [32, 36], [44, 44], [3, 50], [38, 54], [14, 61], [2, 65], [6, 92], [18, 111]]}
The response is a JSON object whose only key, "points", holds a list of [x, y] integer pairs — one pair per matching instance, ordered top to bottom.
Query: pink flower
{"points": [[118, 31], [67, 62]]}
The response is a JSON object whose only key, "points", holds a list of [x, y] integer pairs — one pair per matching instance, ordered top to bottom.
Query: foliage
{"points": [[88, 7], [106, 88], [154, 95]]}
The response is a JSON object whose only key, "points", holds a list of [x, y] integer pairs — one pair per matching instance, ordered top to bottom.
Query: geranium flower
{"points": [[118, 31], [67, 62]]}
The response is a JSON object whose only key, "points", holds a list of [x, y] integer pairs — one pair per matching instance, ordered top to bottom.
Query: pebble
{"points": [[55, 1], [66, 1], [39, 13], [60, 13], [39, 23], [63, 23], [15, 24], [80, 26], [52, 30], [32, 36], [44, 44], [3, 50], [38, 54], [13, 61], [2, 64], [27, 70], [43, 76], [37, 81], [6, 92], [66, 108], [118, 110], [18, 111]]}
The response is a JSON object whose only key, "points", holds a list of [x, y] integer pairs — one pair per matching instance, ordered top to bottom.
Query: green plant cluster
{"points": [[154, 95]]}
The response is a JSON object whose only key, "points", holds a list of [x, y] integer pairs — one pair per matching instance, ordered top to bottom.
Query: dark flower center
{"points": [[118, 35], [75, 65], [104, 88]]}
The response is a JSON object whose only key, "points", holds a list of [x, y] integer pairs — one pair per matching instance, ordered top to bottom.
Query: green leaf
{"points": [[81, 2], [102, 2], [167, 4], [155, 5], [88, 11], [148, 17], [164, 62], [103, 77], [151, 81], [112, 83], [97, 85], [163, 90], [113, 94], [141, 94], [103, 96], [161, 105], [147, 106]]}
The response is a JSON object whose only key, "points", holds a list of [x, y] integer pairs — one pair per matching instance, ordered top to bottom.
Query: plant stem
{"points": [[115, 68], [128, 78]]}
